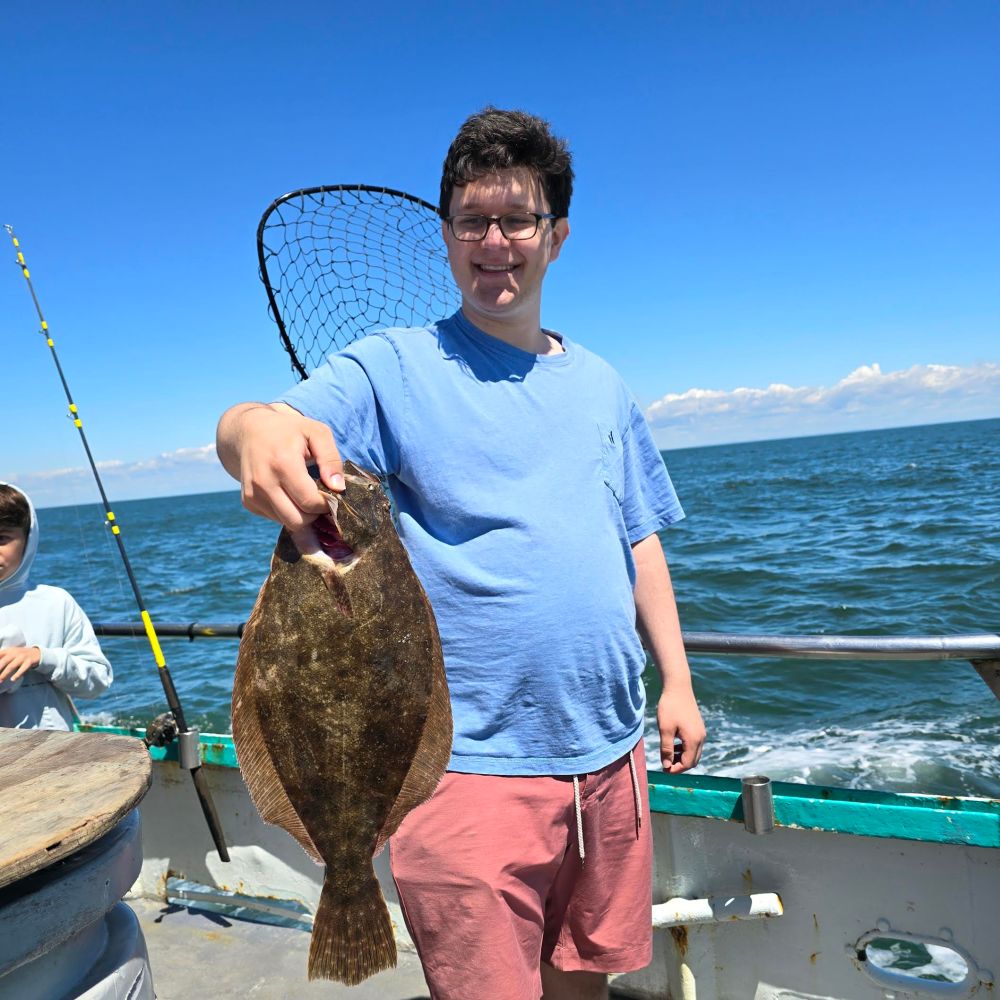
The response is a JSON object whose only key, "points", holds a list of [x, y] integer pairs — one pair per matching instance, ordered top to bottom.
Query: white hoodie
{"points": [[72, 661]]}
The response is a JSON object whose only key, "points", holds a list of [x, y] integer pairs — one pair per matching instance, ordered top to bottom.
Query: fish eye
{"points": [[371, 487]]}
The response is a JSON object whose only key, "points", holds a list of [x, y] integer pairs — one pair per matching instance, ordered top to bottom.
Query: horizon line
{"points": [[824, 434], [663, 451]]}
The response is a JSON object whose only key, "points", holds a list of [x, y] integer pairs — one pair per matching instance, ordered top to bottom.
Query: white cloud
{"points": [[866, 398], [177, 459], [186, 470]]}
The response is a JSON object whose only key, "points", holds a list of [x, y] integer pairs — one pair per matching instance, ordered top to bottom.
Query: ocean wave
{"points": [[883, 756]]}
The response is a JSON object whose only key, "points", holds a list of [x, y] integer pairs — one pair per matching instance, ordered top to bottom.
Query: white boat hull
{"points": [[835, 892]]}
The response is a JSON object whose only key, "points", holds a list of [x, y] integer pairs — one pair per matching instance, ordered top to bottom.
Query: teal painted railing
{"points": [[940, 819], [970, 821]]}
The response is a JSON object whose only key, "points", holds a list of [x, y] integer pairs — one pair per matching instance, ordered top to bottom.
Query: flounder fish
{"points": [[341, 716]]}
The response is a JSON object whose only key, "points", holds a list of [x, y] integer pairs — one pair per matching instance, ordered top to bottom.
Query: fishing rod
{"points": [[171, 725]]}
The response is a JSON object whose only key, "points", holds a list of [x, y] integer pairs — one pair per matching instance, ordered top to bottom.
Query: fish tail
{"points": [[351, 941]]}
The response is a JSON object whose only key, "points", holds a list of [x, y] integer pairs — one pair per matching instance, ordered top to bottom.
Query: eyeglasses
{"points": [[514, 226]]}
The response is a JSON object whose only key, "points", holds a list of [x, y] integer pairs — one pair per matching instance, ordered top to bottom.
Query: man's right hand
{"points": [[267, 448]]}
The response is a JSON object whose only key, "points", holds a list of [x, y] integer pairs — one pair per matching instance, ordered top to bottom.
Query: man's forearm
{"points": [[656, 613], [682, 730]]}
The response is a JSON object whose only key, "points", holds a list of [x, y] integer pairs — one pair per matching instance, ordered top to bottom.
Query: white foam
{"points": [[98, 718], [882, 755], [945, 963]]}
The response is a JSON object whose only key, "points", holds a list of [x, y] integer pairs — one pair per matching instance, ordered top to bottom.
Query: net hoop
{"points": [[339, 260]]}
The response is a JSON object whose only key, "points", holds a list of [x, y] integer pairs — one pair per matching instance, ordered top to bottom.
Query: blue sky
{"points": [[785, 221]]}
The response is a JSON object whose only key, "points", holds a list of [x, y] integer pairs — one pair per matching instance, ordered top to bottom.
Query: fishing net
{"points": [[342, 260]]}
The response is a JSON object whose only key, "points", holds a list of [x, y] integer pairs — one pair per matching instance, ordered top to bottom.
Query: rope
{"points": [[637, 790], [579, 818]]}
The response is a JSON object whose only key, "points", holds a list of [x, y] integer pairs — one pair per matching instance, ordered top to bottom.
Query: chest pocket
{"points": [[612, 460]]}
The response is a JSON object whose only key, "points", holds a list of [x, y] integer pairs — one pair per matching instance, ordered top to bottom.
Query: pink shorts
{"points": [[491, 880]]}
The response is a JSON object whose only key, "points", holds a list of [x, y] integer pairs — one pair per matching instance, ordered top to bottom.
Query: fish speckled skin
{"points": [[341, 715]]}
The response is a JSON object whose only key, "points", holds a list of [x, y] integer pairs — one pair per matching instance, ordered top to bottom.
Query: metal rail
{"points": [[173, 630], [983, 646], [981, 650]]}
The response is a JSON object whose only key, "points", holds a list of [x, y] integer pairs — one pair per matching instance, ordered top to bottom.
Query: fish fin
{"points": [[338, 591], [432, 754], [256, 765], [351, 940]]}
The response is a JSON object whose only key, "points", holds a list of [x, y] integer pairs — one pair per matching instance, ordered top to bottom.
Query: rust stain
{"points": [[748, 877], [680, 936], [216, 938], [812, 957]]}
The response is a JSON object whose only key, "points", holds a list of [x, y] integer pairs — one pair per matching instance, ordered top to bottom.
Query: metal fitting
{"points": [[187, 750], [758, 804]]}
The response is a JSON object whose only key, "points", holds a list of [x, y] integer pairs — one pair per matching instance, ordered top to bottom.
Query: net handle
{"points": [[262, 262]]}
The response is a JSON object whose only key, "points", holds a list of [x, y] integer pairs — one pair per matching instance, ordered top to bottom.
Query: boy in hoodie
{"points": [[48, 649]]}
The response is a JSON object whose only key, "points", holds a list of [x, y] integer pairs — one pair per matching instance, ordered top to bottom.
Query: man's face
{"points": [[501, 279], [12, 542]]}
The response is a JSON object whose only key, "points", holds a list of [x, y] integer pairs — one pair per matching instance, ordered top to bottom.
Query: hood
{"points": [[19, 580]]}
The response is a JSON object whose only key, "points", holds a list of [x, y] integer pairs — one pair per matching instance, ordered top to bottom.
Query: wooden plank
{"points": [[61, 791]]}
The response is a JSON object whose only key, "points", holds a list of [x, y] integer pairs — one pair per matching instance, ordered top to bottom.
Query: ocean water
{"points": [[893, 532]]}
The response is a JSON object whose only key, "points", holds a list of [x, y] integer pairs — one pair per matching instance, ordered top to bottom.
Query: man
{"points": [[529, 494]]}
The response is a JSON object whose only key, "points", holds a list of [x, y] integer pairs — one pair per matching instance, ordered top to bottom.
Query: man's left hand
{"points": [[678, 717]]}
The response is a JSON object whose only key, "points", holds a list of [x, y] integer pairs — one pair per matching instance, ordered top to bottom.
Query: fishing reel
{"points": [[163, 730]]}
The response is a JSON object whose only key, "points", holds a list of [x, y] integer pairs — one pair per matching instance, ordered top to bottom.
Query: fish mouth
{"points": [[330, 540], [322, 541]]}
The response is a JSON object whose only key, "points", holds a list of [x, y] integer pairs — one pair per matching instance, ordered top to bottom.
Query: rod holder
{"points": [[188, 754], [758, 804]]}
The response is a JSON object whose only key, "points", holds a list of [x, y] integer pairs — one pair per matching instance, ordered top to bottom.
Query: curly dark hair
{"points": [[493, 140], [14, 509]]}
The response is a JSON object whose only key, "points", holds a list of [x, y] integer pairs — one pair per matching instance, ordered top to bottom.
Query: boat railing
{"points": [[982, 650]]}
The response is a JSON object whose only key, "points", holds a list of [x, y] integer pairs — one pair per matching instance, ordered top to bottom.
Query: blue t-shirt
{"points": [[521, 482]]}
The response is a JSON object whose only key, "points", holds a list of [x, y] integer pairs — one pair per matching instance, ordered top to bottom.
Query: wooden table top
{"points": [[62, 791]]}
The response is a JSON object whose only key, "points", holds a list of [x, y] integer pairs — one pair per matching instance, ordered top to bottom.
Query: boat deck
{"points": [[197, 955]]}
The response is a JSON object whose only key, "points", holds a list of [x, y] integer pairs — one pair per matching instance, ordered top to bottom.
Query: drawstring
{"points": [[635, 788], [579, 811], [579, 817]]}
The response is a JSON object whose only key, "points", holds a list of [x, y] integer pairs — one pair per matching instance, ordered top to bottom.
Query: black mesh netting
{"points": [[342, 260]]}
